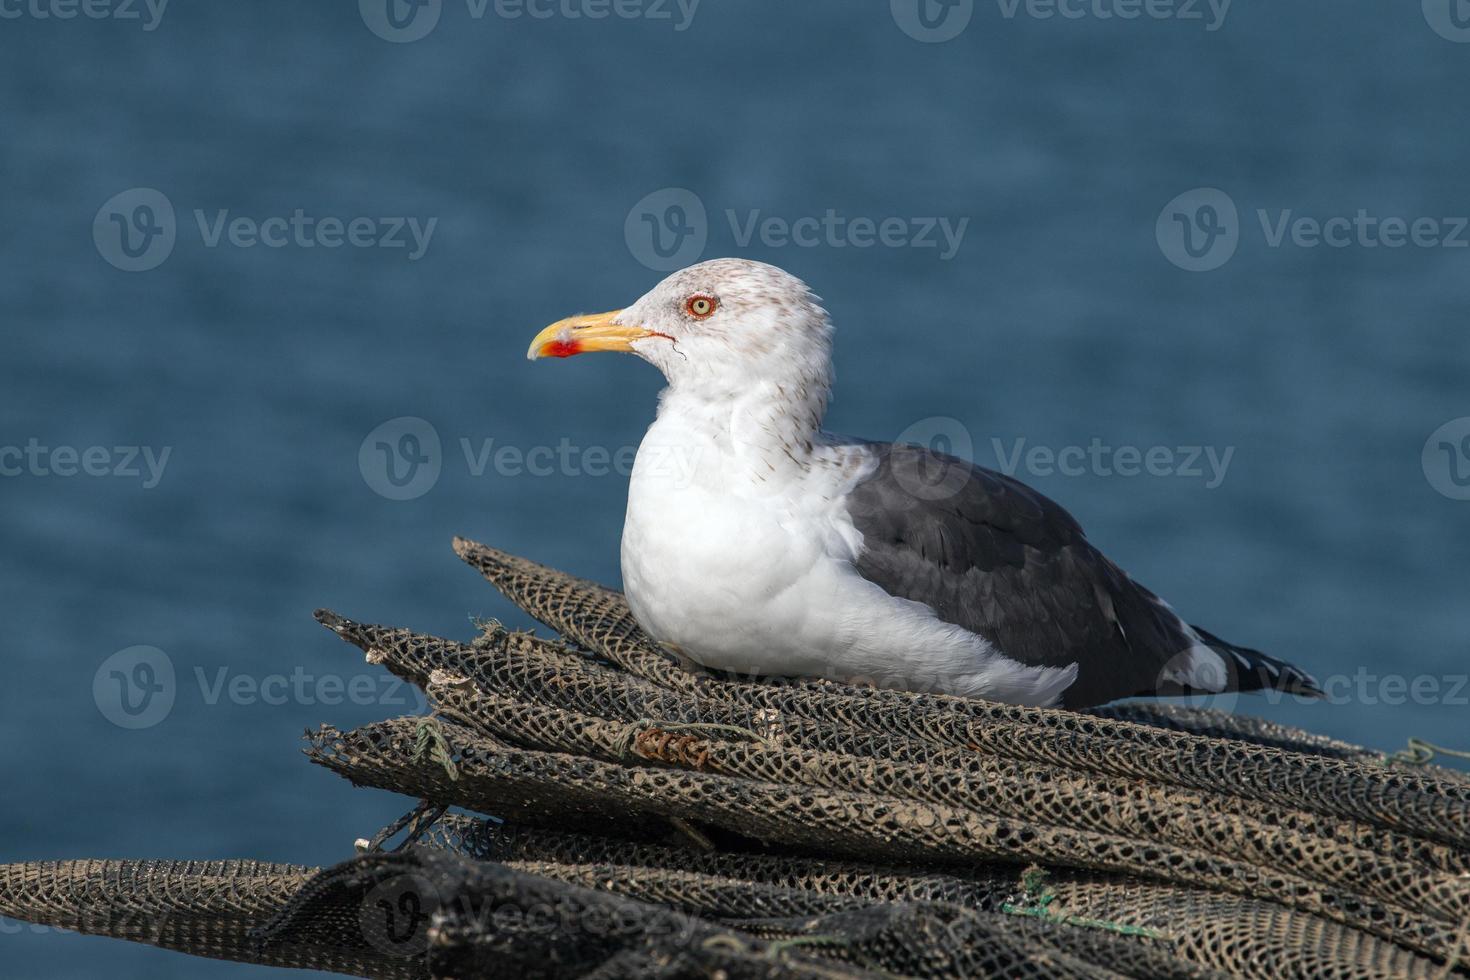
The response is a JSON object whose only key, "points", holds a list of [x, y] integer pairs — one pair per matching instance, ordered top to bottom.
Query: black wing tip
{"points": [[1255, 671], [1276, 676]]}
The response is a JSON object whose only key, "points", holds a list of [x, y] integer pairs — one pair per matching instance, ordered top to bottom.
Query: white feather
{"points": [[737, 547]]}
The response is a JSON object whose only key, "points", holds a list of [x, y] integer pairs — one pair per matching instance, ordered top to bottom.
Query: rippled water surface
{"points": [[1051, 316]]}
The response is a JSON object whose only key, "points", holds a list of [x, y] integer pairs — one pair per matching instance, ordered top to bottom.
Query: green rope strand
{"points": [[430, 741], [1422, 753], [1042, 898]]}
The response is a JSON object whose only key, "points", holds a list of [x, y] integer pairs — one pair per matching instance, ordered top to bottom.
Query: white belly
{"points": [[757, 578]]}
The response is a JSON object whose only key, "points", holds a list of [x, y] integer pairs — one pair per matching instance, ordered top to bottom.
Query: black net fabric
{"points": [[627, 814], [205, 908]]}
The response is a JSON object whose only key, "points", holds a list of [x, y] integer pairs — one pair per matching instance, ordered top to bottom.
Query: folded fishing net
{"points": [[593, 806]]}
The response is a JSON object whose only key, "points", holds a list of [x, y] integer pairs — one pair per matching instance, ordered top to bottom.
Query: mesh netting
{"points": [[651, 818], [206, 908]]}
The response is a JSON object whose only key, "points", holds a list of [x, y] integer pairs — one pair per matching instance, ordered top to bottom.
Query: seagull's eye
{"points": [[700, 306]]}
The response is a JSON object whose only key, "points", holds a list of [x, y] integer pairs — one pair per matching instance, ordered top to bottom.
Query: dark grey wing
{"points": [[994, 556]]}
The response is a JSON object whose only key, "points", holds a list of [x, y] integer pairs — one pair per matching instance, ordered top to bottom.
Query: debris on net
{"points": [[648, 818]]}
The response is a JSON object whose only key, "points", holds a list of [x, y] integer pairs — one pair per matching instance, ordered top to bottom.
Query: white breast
{"points": [[745, 564]]}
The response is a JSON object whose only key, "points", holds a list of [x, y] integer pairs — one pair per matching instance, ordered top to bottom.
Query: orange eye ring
{"points": [[700, 306]]}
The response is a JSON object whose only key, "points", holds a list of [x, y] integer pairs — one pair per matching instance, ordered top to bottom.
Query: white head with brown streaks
{"points": [[721, 330]]}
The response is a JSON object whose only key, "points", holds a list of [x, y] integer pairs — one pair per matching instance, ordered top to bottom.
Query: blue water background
{"points": [[1059, 320]]}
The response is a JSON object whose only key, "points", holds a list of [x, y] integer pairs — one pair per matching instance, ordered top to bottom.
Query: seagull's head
{"points": [[721, 326]]}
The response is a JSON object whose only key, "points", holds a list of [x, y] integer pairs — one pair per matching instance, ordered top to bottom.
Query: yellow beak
{"points": [[580, 334]]}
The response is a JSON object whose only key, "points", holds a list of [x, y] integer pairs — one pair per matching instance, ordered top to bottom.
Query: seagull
{"points": [[756, 543]]}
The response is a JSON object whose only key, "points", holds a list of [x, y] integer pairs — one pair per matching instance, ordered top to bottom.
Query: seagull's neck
{"points": [[763, 429]]}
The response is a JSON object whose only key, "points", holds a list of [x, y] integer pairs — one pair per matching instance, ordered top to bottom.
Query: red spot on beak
{"points": [[561, 348]]}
